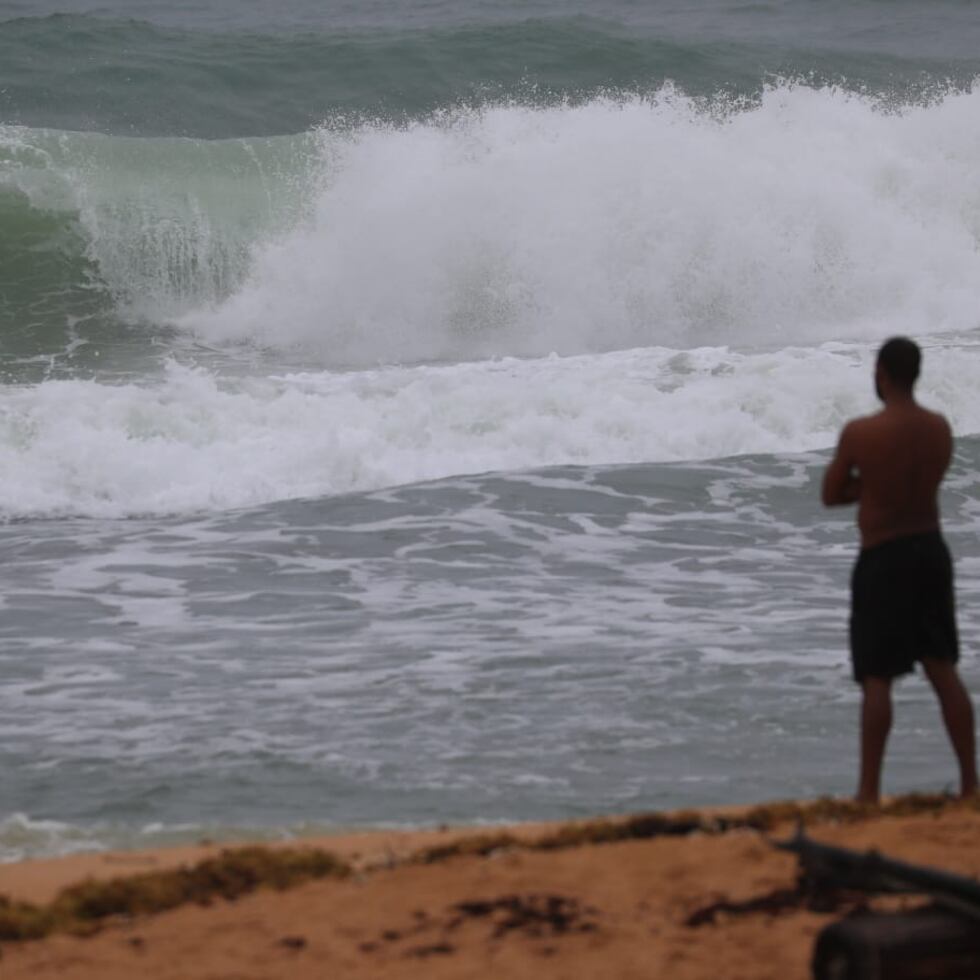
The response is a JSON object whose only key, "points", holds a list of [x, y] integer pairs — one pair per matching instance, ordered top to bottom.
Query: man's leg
{"points": [[958, 716], [876, 722]]}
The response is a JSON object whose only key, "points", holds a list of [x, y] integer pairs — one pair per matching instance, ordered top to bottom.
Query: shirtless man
{"points": [[891, 465]]}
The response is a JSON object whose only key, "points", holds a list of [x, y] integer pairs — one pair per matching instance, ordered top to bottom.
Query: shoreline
{"points": [[39, 879], [607, 897]]}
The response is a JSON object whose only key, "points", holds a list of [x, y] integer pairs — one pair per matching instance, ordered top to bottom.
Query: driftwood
{"points": [[938, 942]]}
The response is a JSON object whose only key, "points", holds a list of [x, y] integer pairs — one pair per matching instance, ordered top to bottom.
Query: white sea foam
{"points": [[813, 215], [198, 442], [23, 837]]}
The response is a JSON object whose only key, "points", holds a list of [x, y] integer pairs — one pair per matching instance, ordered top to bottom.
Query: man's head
{"points": [[897, 365]]}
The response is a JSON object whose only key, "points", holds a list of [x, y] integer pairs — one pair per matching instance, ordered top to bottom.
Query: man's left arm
{"points": [[841, 484]]}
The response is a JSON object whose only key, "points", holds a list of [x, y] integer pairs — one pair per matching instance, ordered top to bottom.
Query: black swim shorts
{"points": [[902, 606]]}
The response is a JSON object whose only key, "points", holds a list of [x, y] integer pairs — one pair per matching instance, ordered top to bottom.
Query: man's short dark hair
{"points": [[900, 359]]}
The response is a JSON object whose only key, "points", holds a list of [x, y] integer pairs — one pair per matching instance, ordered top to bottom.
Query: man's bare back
{"points": [[891, 464]]}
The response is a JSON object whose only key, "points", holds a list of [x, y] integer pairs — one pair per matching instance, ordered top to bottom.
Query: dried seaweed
{"points": [[84, 907]]}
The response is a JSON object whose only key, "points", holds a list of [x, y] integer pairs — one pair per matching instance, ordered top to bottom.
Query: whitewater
{"points": [[488, 290]]}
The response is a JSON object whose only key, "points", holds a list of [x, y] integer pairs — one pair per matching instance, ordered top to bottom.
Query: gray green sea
{"points": [[414, 412]]}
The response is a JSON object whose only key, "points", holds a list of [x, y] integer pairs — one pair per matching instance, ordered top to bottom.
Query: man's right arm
{"points": [[841, 484]]}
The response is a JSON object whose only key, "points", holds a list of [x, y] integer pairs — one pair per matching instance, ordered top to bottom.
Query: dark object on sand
{"points": [[938, 942], [930, 943]]}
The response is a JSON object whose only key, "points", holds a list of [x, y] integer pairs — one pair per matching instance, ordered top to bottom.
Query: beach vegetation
{"points": [[762, 818], [84, 907]]}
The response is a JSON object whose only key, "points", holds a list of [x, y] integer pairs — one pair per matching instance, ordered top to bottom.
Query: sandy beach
{"points": [[608, 898]]}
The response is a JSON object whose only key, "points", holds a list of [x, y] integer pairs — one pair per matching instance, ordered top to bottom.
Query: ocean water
{"points": [[415, 412]]}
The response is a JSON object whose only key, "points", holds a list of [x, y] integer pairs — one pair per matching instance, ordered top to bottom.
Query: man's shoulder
{"points": [[885, 415], [921, 417], [937, 419], [885, 426], [858, 427]]}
